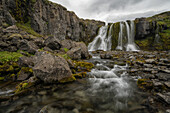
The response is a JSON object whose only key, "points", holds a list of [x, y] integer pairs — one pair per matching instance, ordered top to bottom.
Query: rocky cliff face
{"points": [[47, 18], [153, 33]]}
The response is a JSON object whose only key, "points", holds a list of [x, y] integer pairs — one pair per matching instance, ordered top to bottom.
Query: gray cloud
{"points": [[115, 10]]}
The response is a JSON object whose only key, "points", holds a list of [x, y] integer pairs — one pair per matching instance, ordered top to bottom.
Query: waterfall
{"points": [[130, 34], [102, 41], [120, 45], [131, 46]]}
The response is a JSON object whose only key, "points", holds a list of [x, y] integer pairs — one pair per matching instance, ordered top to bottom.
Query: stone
{"points": [[11, 29], [39, 42], [53, 43], [69, 44], [28, 46], [79, 52], [75, 53], [25, 61], [150, 61], [50, 68], [24, 74], [167, 84], [164, 97]]}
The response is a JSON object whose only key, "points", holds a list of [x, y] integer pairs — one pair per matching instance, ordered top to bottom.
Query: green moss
{"points": [[27, 28], [115, 35], [145, 44], [66, 50], [6, 56], [82, 64], [26, 70], [80, 75], [2, 78], [68, 79], [22, 86]]}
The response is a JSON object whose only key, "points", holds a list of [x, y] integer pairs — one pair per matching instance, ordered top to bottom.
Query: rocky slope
{"points": [[47, 18]]}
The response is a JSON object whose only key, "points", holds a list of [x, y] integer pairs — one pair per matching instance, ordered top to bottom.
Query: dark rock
{"points": [[39, 42], [53, 43], [28, 46], [25, 61], [50, 68], [163, 76], [167, 84], [164, 98]]}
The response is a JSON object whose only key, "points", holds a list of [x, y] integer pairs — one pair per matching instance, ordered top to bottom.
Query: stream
{"points": [[108, 89]]}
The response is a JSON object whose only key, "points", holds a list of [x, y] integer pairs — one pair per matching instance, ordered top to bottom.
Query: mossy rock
{"points": [[83, 65], [80, 75], [68, 79], [145, 84]]}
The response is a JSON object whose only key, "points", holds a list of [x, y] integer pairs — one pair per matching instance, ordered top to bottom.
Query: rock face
{"points": [[48, 18], [153, 33], [50, 69]]}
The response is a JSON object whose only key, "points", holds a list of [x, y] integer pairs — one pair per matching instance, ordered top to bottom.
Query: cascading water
{"points": [[130, 34], [102, 41], [120, 45], [131, 46]]}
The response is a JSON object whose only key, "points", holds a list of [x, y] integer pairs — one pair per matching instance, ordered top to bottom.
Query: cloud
{"points": [[115, 10]]}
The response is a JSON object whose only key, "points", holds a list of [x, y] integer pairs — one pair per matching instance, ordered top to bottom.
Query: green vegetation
{"points": [[27, 27], [115, 35], [66, 50], [6, 56], [68, 79]]}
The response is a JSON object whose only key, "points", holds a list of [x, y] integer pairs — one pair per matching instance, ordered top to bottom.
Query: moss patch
{"points": [[27, 28], [6, 56], [68, 79]]}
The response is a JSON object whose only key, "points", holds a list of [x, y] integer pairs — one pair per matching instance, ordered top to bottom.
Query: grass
{"points": [[26, 27], [6, 56]]}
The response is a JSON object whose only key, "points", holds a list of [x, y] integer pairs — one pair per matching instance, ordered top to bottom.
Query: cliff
{"points": [[47, 18], [153, 33]]}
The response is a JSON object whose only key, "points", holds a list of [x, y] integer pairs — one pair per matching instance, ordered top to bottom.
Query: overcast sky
{"points": [[115, 10]]}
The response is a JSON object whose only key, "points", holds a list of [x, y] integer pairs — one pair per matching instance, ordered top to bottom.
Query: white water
{"points": [[102, 41], [120, 45], [131, 46], [109, 80]]}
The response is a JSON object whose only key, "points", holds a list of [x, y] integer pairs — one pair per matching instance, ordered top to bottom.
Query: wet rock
{"points": [[53, 43], [28, 46], [150, 61], [50, 68], [163, 76], [167, 84], [164, 97], [167, 111]]}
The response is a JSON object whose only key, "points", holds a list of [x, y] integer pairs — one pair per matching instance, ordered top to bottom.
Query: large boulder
{"points": [[53, 43], [79, 52], [50, 68]]}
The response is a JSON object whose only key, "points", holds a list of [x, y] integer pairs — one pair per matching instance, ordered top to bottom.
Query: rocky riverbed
{"points": [[146, 79]]}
